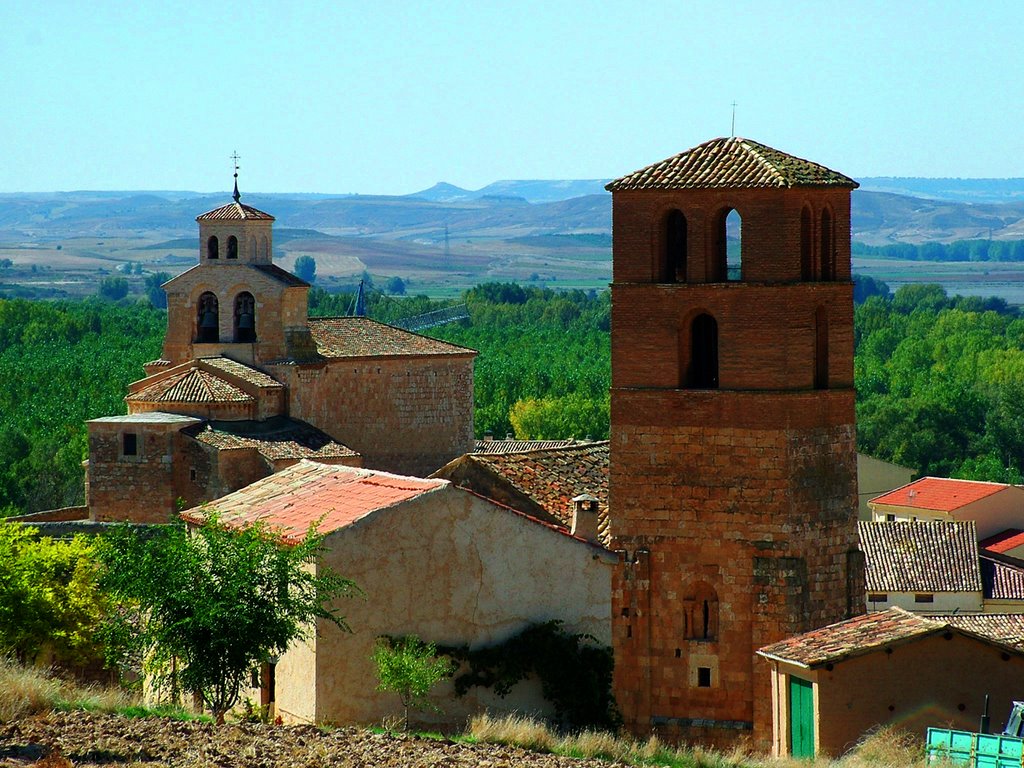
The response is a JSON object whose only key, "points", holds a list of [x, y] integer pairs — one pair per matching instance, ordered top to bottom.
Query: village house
{"points": [[994, 507], [432, 560], [832, 685]]}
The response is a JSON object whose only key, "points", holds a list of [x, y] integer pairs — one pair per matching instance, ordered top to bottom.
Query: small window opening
{"points": [[727, 245], [806, 246], [232, 247], [212, 248], [827, 253], [674, 270], [208, 319], [702, 368], [130, 444], [192, 474], [890, 518], [878, 597], [924, 598], [629, 630], [679, 653], [703, 677]]}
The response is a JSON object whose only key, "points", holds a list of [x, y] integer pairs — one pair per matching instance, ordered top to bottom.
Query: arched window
{"points": [[727, 242], [806, 246], [232, 247], [212, 248], [266, 248], [827, 254], [674, 265], [245, 317], [208, 320], [820, 349], [702, 366], [701, 613]]}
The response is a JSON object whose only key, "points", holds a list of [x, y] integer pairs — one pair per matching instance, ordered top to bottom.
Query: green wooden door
{"points": [[801, 717]]}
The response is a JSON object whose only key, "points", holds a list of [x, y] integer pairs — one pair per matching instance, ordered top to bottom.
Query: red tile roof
{"points": [[732, 162], [234, 212], [362, 337], [242, 371], [192, 385], [939, 494], [332, 497], [1004, 542], [923, 556], [853, 637]]}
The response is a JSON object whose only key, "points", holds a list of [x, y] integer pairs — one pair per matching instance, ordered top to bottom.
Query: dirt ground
{"points": [[85, 740]]}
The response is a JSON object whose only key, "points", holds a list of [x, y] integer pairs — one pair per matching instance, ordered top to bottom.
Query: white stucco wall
{"points": [[452, 568], [942, 602]]}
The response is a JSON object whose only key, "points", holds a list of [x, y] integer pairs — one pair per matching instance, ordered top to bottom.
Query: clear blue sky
{"points": [[376, 96]]}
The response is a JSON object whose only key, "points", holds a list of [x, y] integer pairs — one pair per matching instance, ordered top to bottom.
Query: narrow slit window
{"points": [[130, 444]]}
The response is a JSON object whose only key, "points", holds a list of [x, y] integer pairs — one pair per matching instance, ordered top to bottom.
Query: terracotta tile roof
{"points": [[732, 162], [234, 212], [281, 275], [363, 337], [241, 371], [192, 385], [275, 439], [518, 446], [552, 477], [305, 493], [939, 494], [1009, 539], [927, 556], [1002, 580], [1003, 628], [853, 637]]}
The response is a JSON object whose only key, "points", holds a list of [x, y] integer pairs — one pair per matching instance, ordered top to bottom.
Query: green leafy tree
{"points": [[305, 268], [395, 286], [113, 288], [156, 295], [49, 597], [213, 602], [411, 668]]}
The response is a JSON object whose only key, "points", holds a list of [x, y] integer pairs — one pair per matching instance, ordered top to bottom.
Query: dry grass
{"points": [[29, 691], [885, 748]]}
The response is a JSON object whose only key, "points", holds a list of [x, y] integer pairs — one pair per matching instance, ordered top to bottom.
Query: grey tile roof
{"points": [[734, 163], [234, 212], [241, 371], [276, 438], [518, 446], [931, 556], [1001, 580], [1005, 628]]}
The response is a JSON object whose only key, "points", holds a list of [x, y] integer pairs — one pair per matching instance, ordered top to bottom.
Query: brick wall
{"points": [[733, 508]]}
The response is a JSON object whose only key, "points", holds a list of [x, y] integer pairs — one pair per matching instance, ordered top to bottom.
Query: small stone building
{"points": [[248, 384], [432, 559], [832, 685]]}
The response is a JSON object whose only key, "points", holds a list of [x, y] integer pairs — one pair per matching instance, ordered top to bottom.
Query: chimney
{"points": [[488, 436], [584, 517]]}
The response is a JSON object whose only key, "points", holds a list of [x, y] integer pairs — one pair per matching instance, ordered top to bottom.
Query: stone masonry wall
{"points": [[408, 415]]}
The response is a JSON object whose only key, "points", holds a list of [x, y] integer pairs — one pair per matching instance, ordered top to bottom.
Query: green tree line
{"points": [[960, 250], [940, 379]]}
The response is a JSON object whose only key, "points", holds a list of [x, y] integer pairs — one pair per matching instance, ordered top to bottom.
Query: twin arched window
{"points": [[213, 248], [673, 261], [208, 318]]}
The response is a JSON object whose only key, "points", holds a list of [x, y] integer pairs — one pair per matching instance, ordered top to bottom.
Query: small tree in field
{"points": [[215, 601], [410, 668]]}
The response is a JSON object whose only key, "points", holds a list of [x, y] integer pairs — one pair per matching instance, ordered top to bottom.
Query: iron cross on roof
{"points": [[235, 157]]}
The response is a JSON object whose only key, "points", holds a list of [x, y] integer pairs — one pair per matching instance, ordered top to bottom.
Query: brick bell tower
{"points": [[733, 491]]}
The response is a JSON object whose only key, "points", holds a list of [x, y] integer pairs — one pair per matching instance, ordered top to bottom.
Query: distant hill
{"points": [[960, 190], [536, 191]]}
